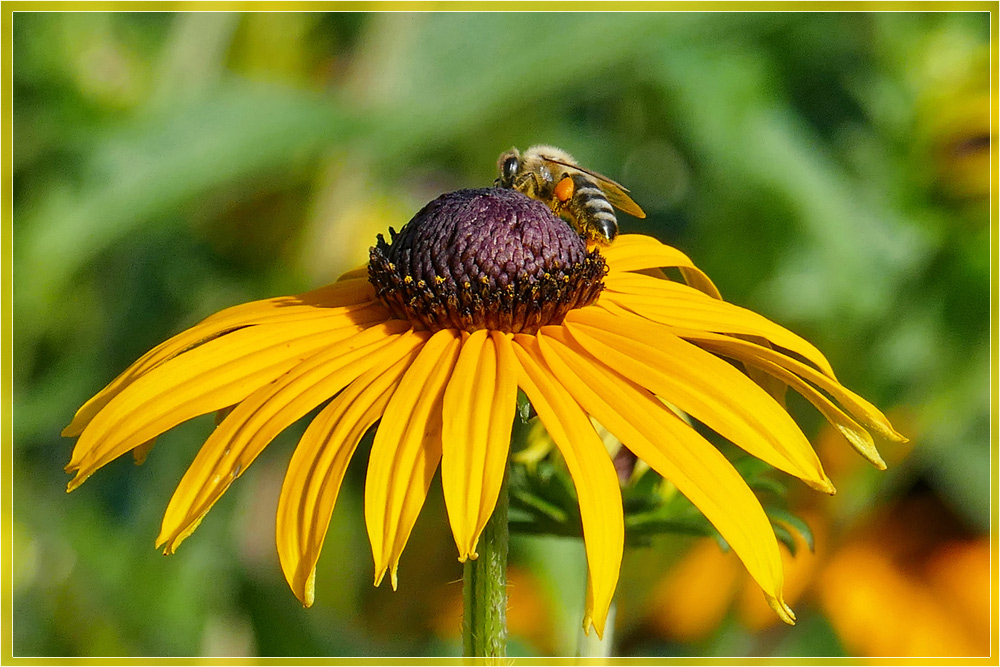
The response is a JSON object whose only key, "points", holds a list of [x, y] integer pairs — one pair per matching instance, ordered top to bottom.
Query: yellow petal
{"points": [[635, 252], [355, 291], [677, 305], [308, 306], [786, 368], [210, 377], [702, 385], [775, 388], [864, 411], [478, 413], [242, 436], [672, 448], [406, 451], [140, 453], [316, 470], [593, 476]]}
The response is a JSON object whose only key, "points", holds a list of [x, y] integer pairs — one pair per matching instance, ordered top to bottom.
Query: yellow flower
{"points": [[482, 293]]}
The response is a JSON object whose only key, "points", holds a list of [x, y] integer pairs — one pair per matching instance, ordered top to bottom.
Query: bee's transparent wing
{"points": [[616, 193]]}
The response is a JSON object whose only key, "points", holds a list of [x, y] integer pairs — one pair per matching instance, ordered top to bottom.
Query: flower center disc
{"points": [[485, 259]]}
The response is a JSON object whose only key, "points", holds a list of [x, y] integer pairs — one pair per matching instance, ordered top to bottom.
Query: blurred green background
{"points": [[829, 170]]}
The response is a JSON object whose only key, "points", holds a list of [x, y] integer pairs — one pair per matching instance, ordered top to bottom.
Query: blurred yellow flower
{"points": [[482, 293]]}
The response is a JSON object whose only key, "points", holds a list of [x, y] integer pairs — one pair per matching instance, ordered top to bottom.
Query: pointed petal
{"points": [[635, 252], [677, 305], [309, 306], [750, 352], [782, 366], [210, 377], [702, 385], [478, 415], [242, 436], [860, 439], [672, 448], [406, 451], [316, 470], [593, 476]]}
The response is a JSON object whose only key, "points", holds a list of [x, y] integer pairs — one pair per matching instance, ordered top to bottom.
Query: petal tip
{"points": [[76, 482], [823, 485], [173, 537], [169, 545], [308, 592], [782, 609], [589, 622]]}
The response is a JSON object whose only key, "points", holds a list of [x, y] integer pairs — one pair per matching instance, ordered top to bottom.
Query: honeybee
{"points": [[582, 197]]}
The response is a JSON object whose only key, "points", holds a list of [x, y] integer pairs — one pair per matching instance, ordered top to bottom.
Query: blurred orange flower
{"points": [[908, 583], [691, 601], [529, 612]]}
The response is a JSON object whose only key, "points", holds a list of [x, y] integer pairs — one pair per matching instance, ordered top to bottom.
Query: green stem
{"points": [[484, 586]]}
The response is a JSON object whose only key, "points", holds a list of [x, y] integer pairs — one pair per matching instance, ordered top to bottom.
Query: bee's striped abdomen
{"points": [[593, 213]]}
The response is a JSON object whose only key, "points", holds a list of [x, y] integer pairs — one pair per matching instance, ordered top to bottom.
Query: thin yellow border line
{"points": [[504, 5], [6, 294], [6, 337], [994, 342]]}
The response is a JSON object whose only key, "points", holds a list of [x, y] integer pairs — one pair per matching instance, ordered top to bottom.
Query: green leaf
{"points": [[150, 170]]}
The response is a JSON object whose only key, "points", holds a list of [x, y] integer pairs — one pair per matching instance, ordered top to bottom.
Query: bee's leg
{"points": [[528, 183], [537, 187], [564, 188], [562, 196]]}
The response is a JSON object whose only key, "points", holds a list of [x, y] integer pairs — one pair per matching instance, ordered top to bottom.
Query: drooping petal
{"points": [[635, 252], [343, 302], [677, 305], [780, 365], [210, 377], [702, 385], [775, 388], [479, 405], [859, 437], [237, 442], [406, 451], [676, 451], [316, 470], [593, 476]]}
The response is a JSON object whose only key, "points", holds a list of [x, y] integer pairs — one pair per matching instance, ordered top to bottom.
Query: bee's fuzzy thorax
{"points": [[547, 151]]}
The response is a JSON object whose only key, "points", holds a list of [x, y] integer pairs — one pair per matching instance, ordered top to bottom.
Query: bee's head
{"points": [[509, 166]]}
